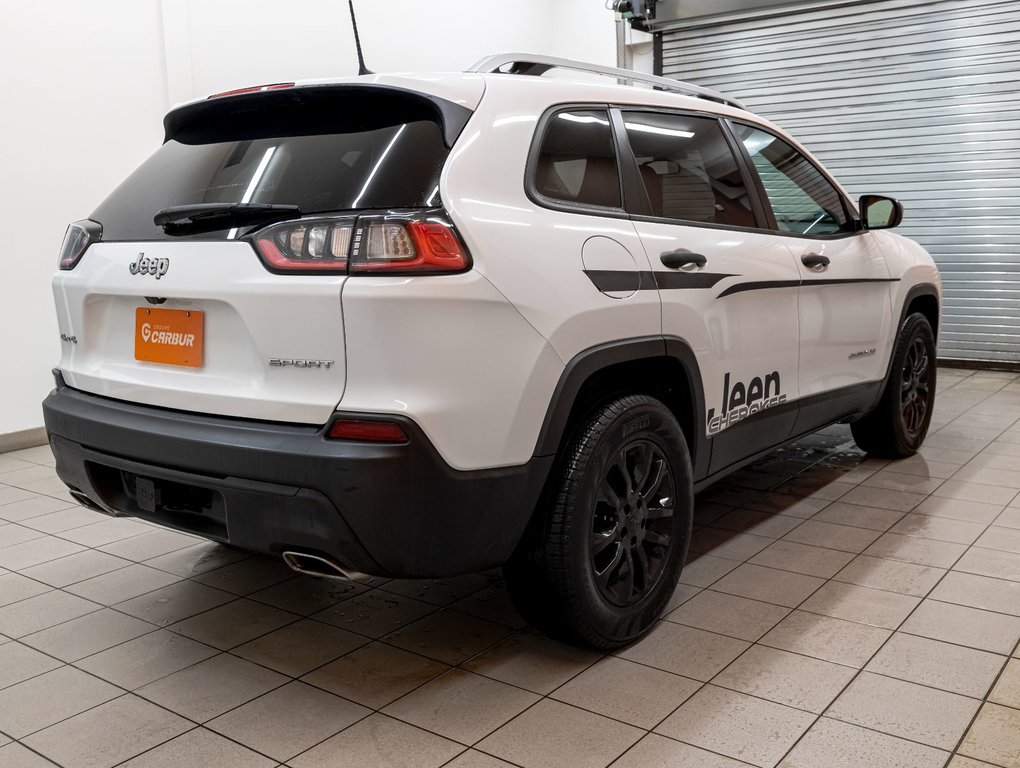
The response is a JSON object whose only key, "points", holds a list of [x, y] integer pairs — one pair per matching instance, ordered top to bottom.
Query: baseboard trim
{"points": [[25, 438]]}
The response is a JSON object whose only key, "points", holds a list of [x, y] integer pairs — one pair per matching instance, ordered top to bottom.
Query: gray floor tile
{"points": [[875, 518], [833, 536], [913, 549], [197, 558], [802, 558], [990, 562], [74, 568], [703, 570], [891, 575], [247, 576], [122, 584], [769, 585], [15, 587], [977, 592], [305, 595], [174, 603], [861, 604], [42, 611], [375, 613], [729, 615], [229, 625], [962, 625], [88, 634], [448, 636], [827, 638], [298, 648], [685, 651], [146, 658], [19, 662], [533, 662], [953, 668], [375, 674], [786, 678], [211, 687], [1007, 688], [634, 693], [32, 705], [461, 705], [907, 710], [288, 720], [736, 725], [108, 734], [551, 735], [993, 736], [380, 741], [835, 744], [199, 747], [655, 751], [14, 755]]}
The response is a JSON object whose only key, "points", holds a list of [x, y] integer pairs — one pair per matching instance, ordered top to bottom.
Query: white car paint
{"points": [[475, 358]]}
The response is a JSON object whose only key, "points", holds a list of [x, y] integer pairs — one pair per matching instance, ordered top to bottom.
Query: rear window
{"points": [[577, 161], [390, 166]]}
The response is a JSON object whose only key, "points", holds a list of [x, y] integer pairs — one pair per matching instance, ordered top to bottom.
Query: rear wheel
{"points": [[898, 425], [601, 560]]}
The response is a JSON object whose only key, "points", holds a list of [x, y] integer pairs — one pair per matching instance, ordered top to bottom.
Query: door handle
{"points": [[682, 258], [815, 261]]}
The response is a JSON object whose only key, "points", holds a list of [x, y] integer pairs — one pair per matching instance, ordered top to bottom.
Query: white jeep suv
{"points": [[416, 326]]}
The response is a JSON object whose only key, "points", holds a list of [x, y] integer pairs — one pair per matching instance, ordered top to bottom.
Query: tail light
{"points": [[77, 239], [422, 243], [306, 245]]}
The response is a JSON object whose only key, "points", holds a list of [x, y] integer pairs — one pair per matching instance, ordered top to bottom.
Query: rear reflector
{"points": [[252, 89], [367, 431]]}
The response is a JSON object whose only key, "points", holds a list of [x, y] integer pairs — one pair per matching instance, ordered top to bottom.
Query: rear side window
{"points": [[577, 161], [391, 166], [688, 169], [803, 200]]}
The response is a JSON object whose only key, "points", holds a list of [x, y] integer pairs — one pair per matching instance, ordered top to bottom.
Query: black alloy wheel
{"points": [[915, 392], [632, 523]]}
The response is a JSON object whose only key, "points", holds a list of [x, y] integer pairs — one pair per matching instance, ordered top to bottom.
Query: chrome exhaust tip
{"points": [[317, 565]]}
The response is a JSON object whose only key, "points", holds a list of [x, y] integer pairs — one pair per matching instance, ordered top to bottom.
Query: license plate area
{"points": [[170, 336]]}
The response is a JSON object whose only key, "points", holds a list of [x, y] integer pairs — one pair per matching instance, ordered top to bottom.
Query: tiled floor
{"points": [[836, 612]]}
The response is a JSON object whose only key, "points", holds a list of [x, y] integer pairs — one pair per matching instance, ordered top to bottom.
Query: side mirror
{"points": [[880, 212]]}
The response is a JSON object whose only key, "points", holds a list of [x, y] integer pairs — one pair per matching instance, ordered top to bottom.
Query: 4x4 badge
{"points": [[147, 265]]}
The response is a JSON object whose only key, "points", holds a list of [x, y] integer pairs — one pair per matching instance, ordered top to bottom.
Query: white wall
{"points": [[84, 85]]}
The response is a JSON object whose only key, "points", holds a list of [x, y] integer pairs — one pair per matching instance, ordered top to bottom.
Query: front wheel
{"points": [[897, 426], [600, 562]]}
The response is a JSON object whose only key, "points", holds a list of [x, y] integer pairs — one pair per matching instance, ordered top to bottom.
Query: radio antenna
{"points": [[362, 69]]}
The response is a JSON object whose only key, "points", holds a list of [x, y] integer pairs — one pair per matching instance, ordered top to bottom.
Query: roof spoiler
{"points": [[307, 110]]}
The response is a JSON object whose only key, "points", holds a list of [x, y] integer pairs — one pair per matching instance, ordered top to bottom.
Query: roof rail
{"points": [[535, 64]]}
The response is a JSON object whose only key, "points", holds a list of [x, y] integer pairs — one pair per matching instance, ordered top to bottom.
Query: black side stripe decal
{"points": [[607, 280], [620, 280], [768, 284]]}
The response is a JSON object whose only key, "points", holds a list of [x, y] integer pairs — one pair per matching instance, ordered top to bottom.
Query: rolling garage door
{"points": [[918, 100]]}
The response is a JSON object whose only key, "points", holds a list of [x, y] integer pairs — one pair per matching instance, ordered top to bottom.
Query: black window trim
{"points": [[531, 167], [848, 209]]}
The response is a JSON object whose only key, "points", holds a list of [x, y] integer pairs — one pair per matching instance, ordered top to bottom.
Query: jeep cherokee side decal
{"points": [[620, 280], [745, 400]]}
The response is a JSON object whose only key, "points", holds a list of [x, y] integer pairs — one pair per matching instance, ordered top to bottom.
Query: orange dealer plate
{"points": [[169, 336]]}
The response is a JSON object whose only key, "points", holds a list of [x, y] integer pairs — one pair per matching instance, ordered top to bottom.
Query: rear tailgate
{"points": [[249, 316], [271, 337]]}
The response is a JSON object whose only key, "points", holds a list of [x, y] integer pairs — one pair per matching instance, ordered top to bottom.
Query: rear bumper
{"points": [[386, 510]]}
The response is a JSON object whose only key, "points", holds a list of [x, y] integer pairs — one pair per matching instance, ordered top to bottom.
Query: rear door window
{"points": [[577, 162], [687, 169]]}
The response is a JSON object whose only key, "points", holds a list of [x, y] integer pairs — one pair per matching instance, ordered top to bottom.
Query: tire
{"points": [[897, 426], [603, 553]]}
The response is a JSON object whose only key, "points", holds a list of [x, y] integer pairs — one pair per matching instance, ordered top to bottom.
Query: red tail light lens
{"points": [[77, 239], [422, 243], [306, 245], [425, 245], [367, 431]]}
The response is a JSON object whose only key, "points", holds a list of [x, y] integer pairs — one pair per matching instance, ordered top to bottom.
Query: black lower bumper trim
{"points": [[387, 510]]}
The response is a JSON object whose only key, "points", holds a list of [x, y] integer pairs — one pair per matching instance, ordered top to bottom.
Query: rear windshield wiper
{"points": [[210, 217]]}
